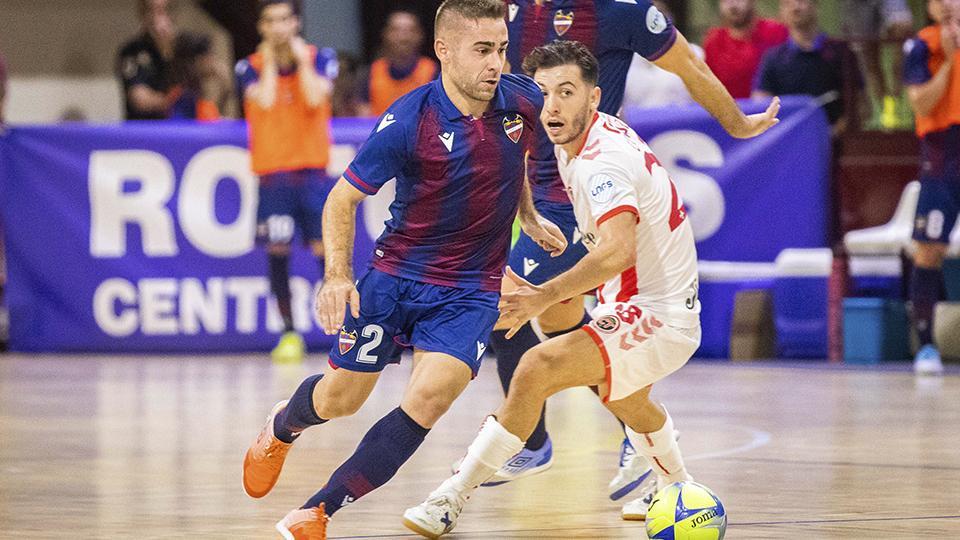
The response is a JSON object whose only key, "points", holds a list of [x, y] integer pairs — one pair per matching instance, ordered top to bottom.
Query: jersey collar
{"points": [[596, 116]]}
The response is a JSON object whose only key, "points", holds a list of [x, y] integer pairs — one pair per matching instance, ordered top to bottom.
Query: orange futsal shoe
{"points": [[264, 459], [304, 524]]}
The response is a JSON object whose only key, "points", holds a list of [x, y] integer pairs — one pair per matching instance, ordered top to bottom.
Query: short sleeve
{"points": [[640, 27], [327, 64], [916, 67], [246, 76], [384, 154], [541, 159], [609, 193]]}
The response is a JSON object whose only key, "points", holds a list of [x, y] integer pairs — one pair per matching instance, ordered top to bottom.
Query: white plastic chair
{"points": [[893, 236]]}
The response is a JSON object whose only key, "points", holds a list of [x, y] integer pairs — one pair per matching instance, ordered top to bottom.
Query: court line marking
{"points": [[760, 438], [849, 520], [621, 526]]}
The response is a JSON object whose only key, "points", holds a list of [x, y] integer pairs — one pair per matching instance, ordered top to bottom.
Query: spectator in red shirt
{"points": [[733, 51]]}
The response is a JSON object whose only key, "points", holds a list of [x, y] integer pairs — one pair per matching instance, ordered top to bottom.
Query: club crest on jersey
{"points": [[562, 21], [513, 128], [608, 324], [346, 341]]}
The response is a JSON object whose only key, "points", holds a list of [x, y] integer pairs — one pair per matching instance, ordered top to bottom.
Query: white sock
{"points": [[492, 448], [661, 450]]}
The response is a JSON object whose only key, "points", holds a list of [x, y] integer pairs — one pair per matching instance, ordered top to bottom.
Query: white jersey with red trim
{"points": [[616, 172]]}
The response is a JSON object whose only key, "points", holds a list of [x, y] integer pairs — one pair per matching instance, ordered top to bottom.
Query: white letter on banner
{"points": [[700, 192], [196, 202], [111, 209], [247, 291], [157, 306], [203, 307], [112, 323]]}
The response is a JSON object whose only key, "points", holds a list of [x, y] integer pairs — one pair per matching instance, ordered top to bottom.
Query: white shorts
{"points": [[637, 348]]}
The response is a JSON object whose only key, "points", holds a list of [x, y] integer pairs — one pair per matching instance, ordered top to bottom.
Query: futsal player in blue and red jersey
{"points": [[613, 31], [932, 76], [457, 148]]}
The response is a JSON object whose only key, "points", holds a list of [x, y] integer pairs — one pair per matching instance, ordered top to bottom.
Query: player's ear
{"points": [[441, 49], [595, 97]]}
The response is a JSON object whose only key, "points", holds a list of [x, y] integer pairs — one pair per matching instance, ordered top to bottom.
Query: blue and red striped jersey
{"points": [[612, 29], [459, 181]]}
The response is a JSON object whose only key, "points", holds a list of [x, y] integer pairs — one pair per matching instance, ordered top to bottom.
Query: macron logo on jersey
{"points": [[387, 120], [447, 140], [529, 265], [481, 347]]}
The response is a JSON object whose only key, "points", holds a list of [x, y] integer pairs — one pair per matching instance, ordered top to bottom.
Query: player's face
{"points": [[935, 10], [736, 13], [798, 13], [278, 24], [402, 36], [472, 54], [569, 102]]}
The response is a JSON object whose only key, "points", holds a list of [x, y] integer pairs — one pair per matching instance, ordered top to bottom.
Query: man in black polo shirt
{"points": [[144, 63], [809, 63]]}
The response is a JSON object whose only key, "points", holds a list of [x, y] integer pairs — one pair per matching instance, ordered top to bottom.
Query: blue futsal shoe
{"points": [[525, 463], [633, 471]]}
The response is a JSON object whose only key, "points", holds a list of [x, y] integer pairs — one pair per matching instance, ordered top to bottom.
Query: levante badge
{"points": [[513, 128], [347, 340]]}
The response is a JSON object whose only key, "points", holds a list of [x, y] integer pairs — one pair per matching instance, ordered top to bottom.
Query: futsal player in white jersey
{"points": [[643, 263]]}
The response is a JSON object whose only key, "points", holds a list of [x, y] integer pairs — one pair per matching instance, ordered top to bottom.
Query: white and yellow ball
{"points": [[686, 511]]}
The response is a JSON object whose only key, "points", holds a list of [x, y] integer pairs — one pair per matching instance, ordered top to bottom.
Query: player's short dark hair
{"points": [[264, 4], [470, 10], [561, 53]]}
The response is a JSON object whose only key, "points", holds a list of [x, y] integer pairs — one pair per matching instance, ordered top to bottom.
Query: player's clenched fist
{"points": [[332, 297]]}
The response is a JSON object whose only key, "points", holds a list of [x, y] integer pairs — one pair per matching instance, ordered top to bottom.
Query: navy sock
{"points": [[280, 287], [925, 287], [508, 353], [299, 413], [381, 453]]}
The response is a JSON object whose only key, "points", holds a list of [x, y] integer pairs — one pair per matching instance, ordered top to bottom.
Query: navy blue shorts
{"points": [[291, 201], [937, 209], [534, 264], [397, 312]]}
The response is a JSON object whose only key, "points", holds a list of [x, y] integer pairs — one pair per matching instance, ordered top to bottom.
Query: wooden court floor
{"points": [[151, 447]]}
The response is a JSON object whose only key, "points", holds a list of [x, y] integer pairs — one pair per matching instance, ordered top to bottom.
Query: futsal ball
{"points": [[686, 511]]}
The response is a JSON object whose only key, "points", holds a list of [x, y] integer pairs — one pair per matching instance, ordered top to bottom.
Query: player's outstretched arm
{"points": [[709, 92], [540, 229], [615, 253], [338, 290]]}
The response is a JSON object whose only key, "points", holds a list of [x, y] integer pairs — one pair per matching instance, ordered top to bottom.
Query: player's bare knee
{"points": [[278, 249], [929, 254], [534, 373], [334, 403], [426, 405]]}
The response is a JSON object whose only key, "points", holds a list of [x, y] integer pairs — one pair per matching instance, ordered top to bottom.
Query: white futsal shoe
{"points": [[636, 510], [435, 516]]}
